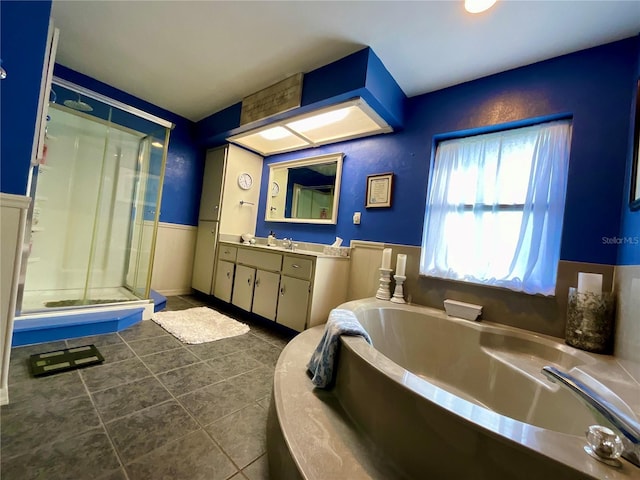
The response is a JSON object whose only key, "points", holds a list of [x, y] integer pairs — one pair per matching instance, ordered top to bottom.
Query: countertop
{"points": [[309, 249]]}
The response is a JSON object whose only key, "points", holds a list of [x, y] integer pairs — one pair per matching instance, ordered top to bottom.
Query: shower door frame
{"points": [[33, 176]]}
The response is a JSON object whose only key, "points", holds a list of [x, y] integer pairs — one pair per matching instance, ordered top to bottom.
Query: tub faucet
{"points": [[626, 427]]}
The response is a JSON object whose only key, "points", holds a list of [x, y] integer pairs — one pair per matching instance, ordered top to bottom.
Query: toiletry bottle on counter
{"points": [[271, 239]]}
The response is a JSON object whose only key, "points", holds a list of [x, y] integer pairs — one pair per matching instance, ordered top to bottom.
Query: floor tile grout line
{"points": [[262, 339], [128, 382], [172, 398], [15, 409], [144, 409], [104, 427], [201, 427], [204, 427], [50, 442], [219, 445], [252, 462]]}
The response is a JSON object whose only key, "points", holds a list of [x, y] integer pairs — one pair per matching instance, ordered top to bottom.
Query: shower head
{"points": [[78, 105]]}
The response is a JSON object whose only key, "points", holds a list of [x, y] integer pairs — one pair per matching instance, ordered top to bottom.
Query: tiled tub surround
{"points": [[546, 315], [627, 341], [443, 398], [156, 409]]}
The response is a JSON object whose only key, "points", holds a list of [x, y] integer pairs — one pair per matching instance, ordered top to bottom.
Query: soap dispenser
{"points": [[271, 239]]}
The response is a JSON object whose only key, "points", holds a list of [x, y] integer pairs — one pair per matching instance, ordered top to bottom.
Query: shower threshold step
{"points": [[62, 325]]}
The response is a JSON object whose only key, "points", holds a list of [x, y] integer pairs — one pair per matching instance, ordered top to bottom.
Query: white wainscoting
{"points": [[173, 260], [364, 274]]}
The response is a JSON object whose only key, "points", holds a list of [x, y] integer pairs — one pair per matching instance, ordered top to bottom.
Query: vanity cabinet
{"points": [[226, 208], [206, 236], [224, 280], [243, 287], [295, 290], [265, 294], [294, 299]]}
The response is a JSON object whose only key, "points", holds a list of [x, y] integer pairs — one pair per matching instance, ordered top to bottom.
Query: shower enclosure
{"points": [[95, 205]]}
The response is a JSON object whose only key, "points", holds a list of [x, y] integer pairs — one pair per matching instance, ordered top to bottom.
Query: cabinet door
{"points": [[212, 184], [203, 261], [224, 280], [243, 287], [265, 294], [293, 302]]}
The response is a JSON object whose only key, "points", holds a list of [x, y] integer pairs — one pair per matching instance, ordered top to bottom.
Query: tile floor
{"points": [[156, 409]]}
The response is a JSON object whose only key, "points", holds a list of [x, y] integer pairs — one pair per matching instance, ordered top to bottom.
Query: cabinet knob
{"points": [[213, 231], [228, 274], [249, 280], [257, 282], [281, 290]]}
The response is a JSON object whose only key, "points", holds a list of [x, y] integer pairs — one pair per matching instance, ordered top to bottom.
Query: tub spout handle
{"points": [[621, 423]]}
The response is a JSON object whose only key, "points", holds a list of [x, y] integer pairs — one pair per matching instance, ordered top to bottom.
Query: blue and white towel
{"points": [[323, 360]]}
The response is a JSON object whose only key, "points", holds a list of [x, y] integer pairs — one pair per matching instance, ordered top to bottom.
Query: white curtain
{"points": [[495, 208]]}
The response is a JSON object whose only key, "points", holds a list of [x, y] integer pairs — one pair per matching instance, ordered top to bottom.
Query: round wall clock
{"points": [[245, 181], [275, 189]]}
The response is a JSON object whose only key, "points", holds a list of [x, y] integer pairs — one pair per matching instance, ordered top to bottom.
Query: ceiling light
{"points": [[477, 6], [318, 121], [344, 121], [275, 133], [157, 144]]}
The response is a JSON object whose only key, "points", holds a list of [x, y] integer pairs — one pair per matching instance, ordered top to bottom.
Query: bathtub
{"points": [[441, 398]]}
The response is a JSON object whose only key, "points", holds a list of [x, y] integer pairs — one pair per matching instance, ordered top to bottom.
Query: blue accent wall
{"points": [[23, 40], [593, 86], [185, 160], [629, 248]]}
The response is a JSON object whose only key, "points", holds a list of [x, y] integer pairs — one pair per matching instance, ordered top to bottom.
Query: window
{"points": [[495, 206]]}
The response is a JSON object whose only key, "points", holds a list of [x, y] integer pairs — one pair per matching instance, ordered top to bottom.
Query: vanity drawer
{"points": [[227, 253], [262, 260], [297, 267]]}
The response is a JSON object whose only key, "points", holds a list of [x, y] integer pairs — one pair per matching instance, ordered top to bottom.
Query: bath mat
{"points": [[199, 325], [57, 361]]}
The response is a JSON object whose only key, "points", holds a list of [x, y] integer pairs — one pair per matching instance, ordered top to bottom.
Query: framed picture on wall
{"points": [[379, 187], [634, 198]]}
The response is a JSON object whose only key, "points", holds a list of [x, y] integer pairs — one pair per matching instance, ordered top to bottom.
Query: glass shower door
{"points": [[95, 213], [144, 214], [110, 250]]}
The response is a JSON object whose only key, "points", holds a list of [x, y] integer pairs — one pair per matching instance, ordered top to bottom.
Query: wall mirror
{"points": [[305, 190]]}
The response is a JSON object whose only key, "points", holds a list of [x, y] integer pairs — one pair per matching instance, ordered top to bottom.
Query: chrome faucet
{"points": [[287, 243], [628, 428]]}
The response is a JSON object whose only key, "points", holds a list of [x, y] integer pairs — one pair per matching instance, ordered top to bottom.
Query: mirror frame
{"points": [[303, 162]]}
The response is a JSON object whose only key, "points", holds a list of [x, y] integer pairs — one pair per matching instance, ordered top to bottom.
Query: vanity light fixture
{"points": [[478, 6], [343, 121]]}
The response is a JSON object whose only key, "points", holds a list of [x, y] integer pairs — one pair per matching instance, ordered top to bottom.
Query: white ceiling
{"points": [[195, 58]]}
